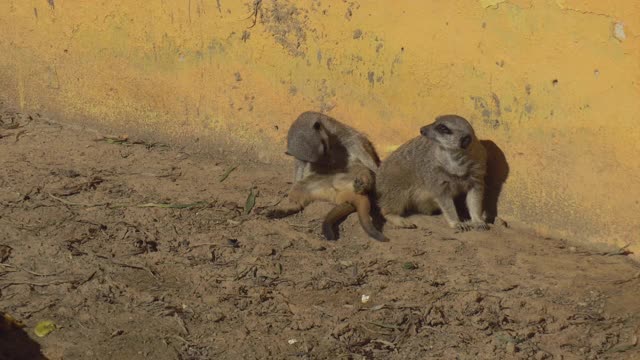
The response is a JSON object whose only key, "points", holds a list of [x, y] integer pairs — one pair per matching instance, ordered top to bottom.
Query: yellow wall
{"points": [[199, 69]]}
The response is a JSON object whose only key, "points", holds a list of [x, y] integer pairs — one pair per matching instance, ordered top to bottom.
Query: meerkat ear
{"points": [[317, 125]]}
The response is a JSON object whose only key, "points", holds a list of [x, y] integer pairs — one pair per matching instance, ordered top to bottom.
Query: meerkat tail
{"points": [[348, 203], [363, 207], [339, 212]]}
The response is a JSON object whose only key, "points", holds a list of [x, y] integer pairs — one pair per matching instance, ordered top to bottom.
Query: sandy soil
{"points": [[142, 251]]}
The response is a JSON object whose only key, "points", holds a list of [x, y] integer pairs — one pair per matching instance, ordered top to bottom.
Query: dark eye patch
{"points": [[442, 129], [465, 141]]}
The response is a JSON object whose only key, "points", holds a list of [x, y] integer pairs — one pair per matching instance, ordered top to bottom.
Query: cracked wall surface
{"points": [[553, 83]]}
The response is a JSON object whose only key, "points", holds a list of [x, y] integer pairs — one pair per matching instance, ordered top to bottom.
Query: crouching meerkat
{"points": [[335, 163], [428, 172]]}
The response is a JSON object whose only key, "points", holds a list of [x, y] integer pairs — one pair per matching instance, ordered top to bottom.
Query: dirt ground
{"points": [[145, 251]]}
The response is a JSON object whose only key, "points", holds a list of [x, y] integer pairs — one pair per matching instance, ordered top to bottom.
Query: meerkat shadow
{"points": [[497, 174], [376, 215], [15, 344]]}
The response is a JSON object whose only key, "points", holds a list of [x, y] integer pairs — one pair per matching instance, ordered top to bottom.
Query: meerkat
{"points": [[332, 162], [428, 172]]}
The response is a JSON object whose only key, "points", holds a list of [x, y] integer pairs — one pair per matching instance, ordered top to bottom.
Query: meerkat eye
{"points": [[316, 125], [442, 129], [465, 141]]}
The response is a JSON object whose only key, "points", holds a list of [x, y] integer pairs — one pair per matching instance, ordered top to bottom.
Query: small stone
{"points": [[182, 156], [500, 222], [262, 250], [215, 316], [305, 324], [340, 329], [511, 348], [541, 355]]}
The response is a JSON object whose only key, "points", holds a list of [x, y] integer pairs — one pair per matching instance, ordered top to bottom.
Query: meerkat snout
{"points": [[450, 132]]}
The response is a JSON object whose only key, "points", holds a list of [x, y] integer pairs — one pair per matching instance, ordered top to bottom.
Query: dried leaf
{"points": [[119, 140], [226, 173], [250, 203], [174, 206], [5, 252], [409, 266], [44, 328]]}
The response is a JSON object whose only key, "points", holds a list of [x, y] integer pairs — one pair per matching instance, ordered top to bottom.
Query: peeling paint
{"points": [[491, 3], [288, 25], [618, 31], [180, 70], [370, 77]]}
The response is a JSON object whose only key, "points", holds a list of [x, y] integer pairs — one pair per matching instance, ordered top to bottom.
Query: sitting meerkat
{"points": [[335, 163], [426, 173]]}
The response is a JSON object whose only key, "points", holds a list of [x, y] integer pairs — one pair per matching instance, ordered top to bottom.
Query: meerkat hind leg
{"points": [[352, 190], [302, 194], [296, 200], [362, 205], [426, 206], [392, 209], [336, 214], [395, 219], [400, 221]]}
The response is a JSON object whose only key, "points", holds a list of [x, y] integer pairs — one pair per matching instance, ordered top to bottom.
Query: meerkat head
{"points": [[451, 132], [307, 140]]}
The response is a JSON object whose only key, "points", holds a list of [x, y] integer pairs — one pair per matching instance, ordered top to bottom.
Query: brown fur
{"points": [[334, 163], [429, 171]]}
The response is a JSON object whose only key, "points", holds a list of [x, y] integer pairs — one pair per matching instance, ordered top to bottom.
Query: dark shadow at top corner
{"points": [[497, 174]]}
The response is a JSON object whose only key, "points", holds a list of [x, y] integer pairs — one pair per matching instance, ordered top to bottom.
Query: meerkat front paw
{"points": [[480, 226], [460, 227]]}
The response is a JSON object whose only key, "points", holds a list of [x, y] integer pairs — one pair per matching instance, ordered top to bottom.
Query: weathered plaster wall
{"points": [[551, 82]]}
